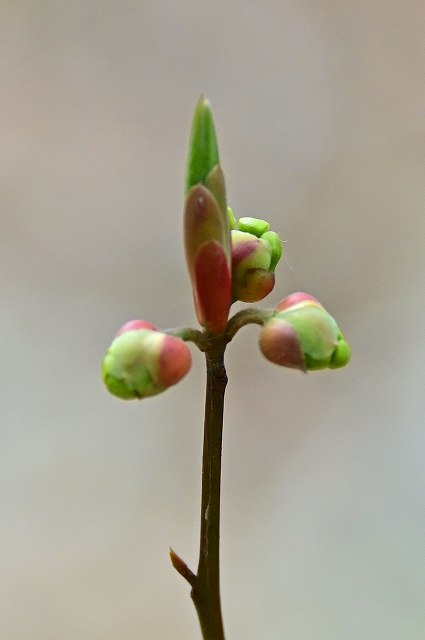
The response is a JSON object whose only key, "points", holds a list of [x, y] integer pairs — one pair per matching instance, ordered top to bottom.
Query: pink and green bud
{"points": [[207, 225], [255, 254], [303, 335], [143, 362]]}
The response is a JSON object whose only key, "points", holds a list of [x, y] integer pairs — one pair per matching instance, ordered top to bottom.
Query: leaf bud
{"points": [[207, 224]]}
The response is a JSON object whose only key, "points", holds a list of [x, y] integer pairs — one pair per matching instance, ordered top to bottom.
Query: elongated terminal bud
{"points": [[206, 224]]}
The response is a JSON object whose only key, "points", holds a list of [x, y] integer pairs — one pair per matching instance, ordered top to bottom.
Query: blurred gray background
{"points": [[319, 107]]}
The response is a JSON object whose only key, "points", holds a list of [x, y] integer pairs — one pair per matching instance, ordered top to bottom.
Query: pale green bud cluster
{"points": [[255, 253]]}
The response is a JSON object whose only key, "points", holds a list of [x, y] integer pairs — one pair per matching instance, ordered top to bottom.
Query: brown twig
{"points": [[205, 584]]}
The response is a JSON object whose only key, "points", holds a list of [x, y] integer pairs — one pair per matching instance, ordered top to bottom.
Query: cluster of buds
{"points": [[228, 260], [301, 334], [142, 361]]}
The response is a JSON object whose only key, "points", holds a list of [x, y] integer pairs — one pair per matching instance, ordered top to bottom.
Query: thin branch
{"points": [[244, 317], [191, 335], [205, 585], [206, 591]]}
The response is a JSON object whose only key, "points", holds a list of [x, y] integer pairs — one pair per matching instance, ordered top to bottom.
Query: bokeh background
{"points": [[319, 107]]}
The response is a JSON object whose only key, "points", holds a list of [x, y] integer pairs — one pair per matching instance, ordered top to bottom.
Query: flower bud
{"points": [[255, 254], [303, 335], [142, 362]]}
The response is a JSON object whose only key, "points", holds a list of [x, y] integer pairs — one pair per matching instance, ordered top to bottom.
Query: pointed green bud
{"points": [[203, 147], [303, 335], [143, 362]]}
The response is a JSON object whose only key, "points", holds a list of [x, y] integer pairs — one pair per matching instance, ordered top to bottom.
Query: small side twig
{"points": [[244, 317], [181, 567]]}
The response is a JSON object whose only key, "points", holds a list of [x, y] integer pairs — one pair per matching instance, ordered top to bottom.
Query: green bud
{"points": [[203, 147]]}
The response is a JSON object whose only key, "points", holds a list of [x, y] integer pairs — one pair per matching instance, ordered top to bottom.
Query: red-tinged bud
{"points": [[203, 221], [208, 253], [255, 254], [303, 335], [144, 362]]}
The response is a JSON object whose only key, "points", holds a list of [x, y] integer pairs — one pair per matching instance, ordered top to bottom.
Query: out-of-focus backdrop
{"points": [[319, 107]]}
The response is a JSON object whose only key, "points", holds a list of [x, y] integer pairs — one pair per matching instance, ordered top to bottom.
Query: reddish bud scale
{"points": [[202, 222], [207, 245], [243, 250], [212, 287], [279, 343], [174, 361]]}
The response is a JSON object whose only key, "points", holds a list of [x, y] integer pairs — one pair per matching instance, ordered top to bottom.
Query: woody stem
{"points": [[206, 590]]}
